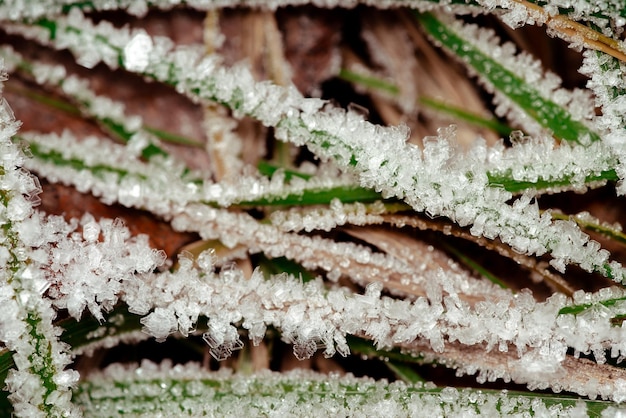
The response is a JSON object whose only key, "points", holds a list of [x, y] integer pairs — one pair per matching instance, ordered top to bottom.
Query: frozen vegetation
{"points": [[342, 295]]}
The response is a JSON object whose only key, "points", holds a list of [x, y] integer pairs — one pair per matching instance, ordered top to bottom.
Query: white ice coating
{"points": [[137, 52], [606, 79], [439, 180], [255, 303], [310, 316], [39, 384], [187, 390]]}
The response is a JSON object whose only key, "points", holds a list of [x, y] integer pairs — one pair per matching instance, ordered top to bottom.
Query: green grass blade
{"points": [[368, 81], [543, 110], [458, 113], [469, 117], [507, 182], [346, 194], [586, 221], [469, 262], [273, 266], [578, 309], [404, 372], [153, 389]]}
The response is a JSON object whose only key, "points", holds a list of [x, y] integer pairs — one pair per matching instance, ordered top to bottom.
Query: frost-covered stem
{"points": [[521, 12], [39, 385]]}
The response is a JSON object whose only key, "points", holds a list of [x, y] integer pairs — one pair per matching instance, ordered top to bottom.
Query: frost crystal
{"points": [[137, 52]]}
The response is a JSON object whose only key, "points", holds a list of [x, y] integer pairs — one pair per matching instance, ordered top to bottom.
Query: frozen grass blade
{"points": [[502, 77], [108, 113], [457, 113], [590, 223], [435, 315], [39, 385], [188, 391]]}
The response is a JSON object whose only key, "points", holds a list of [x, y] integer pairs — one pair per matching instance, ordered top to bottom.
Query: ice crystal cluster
{"points": [[338, 239]]}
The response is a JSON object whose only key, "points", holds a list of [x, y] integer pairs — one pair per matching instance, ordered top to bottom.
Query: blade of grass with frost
{"points": [[606, 81], [506, 82], [609, 88], [456, 112], [110, 114], [114, 128], [331, 133], [58, 158], [543, 165], [553, 180], [565, 182], [313, 191], [346, 194], [314, 196], [587, 221], [607, 303], [540, 324], [86, 332], [40, 381], [132, 389]]}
